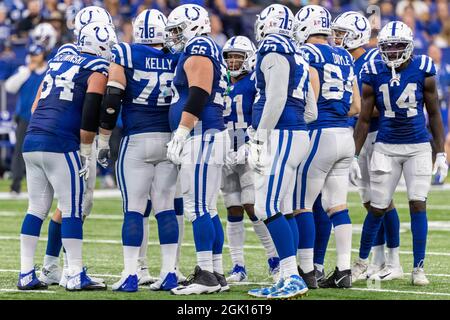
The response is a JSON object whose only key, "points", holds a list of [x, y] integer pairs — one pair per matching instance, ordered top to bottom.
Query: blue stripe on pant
{"points": [[283, 165], [306, 167], [272, 176], [72, 184], [122, 184], [80, 197]]}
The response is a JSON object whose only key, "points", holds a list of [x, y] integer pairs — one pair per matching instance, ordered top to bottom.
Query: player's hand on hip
{"points": [[175, 146], [103, 150], [85, 155], [441, 166], [355, 171]]}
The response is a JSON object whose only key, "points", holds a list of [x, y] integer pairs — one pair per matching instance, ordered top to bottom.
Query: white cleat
{"points": [[373, 268], [359, 270], [389, 272], [50, 274], [238, 274], [65, 276], [144, 277], [418, 277], [200, 282]]}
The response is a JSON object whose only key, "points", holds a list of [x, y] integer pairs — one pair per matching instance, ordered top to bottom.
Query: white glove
{"points": [[175, 146], [103, 152], [241, 154], [85, 155], [255, 157], [230, 160], [440, 168], [355, 171]]}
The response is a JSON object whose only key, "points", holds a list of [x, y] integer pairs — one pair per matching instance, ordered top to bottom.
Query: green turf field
{"points": [[103, 255]]}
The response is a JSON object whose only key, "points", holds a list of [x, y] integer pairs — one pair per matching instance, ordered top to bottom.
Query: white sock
{"points": [[180, 219], [343, 236], [236, 240], [266, 240], [144, 244], [28, 246], [74, 254], [378, 256], [168, 257], [393, 257], [130, 259], [306, 259], [205, 260], [50, 261], [217, 263], [289, 266], [319, 267]]}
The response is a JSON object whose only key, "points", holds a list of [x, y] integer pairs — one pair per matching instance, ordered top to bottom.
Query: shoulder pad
{"points": [[276, 43], [202, 46], [121, 54]]}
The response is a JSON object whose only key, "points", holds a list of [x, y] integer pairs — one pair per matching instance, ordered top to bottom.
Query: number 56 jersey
{"points": [[149, 73], [402, 119]]}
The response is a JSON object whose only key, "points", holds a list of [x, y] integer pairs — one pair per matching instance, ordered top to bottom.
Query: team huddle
{"points": [[278, 129]]}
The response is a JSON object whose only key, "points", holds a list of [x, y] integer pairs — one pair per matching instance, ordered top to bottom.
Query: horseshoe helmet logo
{"points": [[197, 10], [308, 12], [262, 17], [357, 19], [85, 22], [98, 34]]}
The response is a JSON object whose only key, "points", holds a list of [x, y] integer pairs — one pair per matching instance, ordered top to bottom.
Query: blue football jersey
{"points": [[149, 73], [336, 74], [212, 114], [292, 115], [402, 119], [55, 124]]}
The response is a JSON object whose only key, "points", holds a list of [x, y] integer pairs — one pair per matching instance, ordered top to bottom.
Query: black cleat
{"points": [[320, 275], [309, 278], [339, 279], [201, 281], [222, 281]]}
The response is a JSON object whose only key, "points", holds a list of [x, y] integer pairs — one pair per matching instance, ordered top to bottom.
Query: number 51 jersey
{"points": [[402, 119]]}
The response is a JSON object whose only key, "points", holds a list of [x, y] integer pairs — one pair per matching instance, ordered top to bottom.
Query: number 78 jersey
{"points": [[402, 119]]}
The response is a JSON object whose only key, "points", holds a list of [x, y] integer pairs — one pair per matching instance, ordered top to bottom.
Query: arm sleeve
{"points": [[275, 68], [15, 82], [311, 106]]}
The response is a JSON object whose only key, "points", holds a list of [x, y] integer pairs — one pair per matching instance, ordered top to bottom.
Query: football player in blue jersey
{"points": [[351, 30], [139, 80], [399, 86], [199, 140], [279, 140], [57, 151], [326, 167], [238, 187], [51, 272]]}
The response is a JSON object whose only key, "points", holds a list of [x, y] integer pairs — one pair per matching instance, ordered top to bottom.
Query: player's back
{"points": [[335, 68], [149, 74], [401, 104], [293, 112], [212, 114], [55, 124]]}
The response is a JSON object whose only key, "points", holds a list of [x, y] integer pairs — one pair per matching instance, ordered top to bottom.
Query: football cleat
{"points": [[274, 268], [374, 268], [359, 270], [389, 272], [51, 274], [238, 274], [143, 275], [320, 275], [65, 276], [180, 277], [418, 277], [309, 278], [339, 279], [29, 281], [81, 281], [201, 281], [222, 281], [169, 282], [128, 283], [293, 287], [264, 292]]}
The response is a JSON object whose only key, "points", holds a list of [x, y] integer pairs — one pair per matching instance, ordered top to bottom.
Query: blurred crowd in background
{"points": [[428, 19]]}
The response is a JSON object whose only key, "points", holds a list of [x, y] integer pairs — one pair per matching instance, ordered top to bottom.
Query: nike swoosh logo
{"points": [[382, 277], [336, 282]]}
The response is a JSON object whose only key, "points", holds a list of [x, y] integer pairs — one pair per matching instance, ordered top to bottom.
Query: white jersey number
{"points": [[332, 77], [63, 80], [153, 81], [407, 100], [240, 124]]}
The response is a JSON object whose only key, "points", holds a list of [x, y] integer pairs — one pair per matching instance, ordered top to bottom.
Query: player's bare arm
{"points": [[36, 99], [431, 100], [355, 107], [363, 124]]}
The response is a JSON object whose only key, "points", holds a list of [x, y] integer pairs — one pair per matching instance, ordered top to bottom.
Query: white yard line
{"points": [[24, 291], [403, 291]]}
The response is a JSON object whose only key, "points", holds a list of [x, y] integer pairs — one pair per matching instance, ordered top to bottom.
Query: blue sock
{"points": [[178, 204], [148, 209], [235, 218], [340, 218], [391, 224], [31, 225], [167, 227], [72, 228], [132, 229], [294, 229], [419, 229], [306, 230], [323, 231], [369, 232], [204, 233], [282, 236], [219, 238], [380, 238], [54, 242]]}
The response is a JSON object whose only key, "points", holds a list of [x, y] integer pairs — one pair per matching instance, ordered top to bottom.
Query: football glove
{"points": [[175, 146], [103, 151], [242, 154], [85, 155], [256, 156], [440, 166], [355, 171]]}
